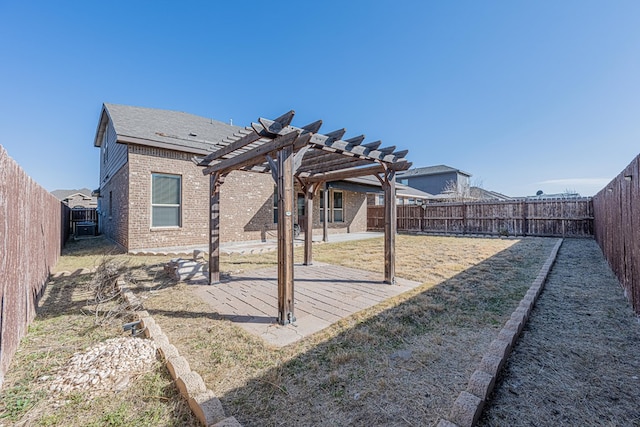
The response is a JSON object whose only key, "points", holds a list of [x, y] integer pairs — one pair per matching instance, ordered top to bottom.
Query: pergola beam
{"points": [[244, 140], [328, 150], [254, 156], [329, 159], [349, 162], [353, 173]]}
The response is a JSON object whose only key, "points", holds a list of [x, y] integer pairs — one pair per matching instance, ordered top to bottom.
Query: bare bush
{"points": [[108, 303]]}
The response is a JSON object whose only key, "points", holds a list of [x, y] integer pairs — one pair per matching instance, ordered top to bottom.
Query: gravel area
{"points": [[576, 362], [107, 366]]}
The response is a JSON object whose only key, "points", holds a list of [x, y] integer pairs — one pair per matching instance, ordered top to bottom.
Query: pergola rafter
{"points": [[313, 159]]}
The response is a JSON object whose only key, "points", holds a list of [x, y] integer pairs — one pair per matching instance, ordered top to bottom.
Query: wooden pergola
{"points": [[312, 159]]}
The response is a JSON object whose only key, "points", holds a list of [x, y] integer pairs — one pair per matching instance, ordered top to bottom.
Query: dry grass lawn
{"points": [[66, 324], [402, 362], [576, 362]]}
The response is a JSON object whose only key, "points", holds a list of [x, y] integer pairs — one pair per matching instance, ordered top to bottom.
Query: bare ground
{"points": [[577, 362]]}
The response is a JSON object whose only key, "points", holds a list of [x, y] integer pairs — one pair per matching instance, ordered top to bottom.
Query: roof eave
{"points": [[102, 126]]}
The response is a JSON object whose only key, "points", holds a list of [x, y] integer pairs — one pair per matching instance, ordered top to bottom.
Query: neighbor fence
{"points": [[564, 217], [617, 228], [33, 229]]}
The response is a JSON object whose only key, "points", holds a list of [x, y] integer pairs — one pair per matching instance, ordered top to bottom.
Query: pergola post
{"points": [[215, 181], [309, 191], [325, 210], [390, 226], [285, 236]]}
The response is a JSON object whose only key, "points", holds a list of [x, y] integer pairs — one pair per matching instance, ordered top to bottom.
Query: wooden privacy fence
{"points": [[86, 217], [566, 217], [33, 228], [617, 228]]}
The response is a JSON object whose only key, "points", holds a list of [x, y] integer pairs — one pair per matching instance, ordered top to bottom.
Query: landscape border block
{"points": [[482, 381], [204, 404]]}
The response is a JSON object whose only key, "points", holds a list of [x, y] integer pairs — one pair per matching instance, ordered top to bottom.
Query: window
{"points": [[105, 149], [165, 200], [110, 204], [275, 204], [300, 205], [322, 206], [337, 207]]}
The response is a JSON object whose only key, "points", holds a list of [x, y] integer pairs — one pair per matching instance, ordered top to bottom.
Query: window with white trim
{"points": [[165, 200], [337, 207]]}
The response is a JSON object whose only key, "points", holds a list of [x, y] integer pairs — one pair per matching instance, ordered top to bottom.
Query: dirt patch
{"points": [[402, 362], [576, 362]]}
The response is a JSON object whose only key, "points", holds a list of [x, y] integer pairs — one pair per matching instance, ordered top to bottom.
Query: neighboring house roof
{"points": [[163, 128], [430, 170], [401, 189], [66, 194], [482, 194]]}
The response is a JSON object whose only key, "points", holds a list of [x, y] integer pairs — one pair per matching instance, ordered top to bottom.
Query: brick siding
{"points": [[246, 204], [114, 219]]}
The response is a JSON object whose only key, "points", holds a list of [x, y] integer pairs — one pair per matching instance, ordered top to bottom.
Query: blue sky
{"points": [[525, 96]]}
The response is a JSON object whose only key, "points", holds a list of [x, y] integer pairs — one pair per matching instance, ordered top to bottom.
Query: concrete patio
{"points": [[323, 294]]}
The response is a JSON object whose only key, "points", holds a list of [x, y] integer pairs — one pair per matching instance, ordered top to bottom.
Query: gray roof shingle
{"points": [[184, 131], [430, 170], [63, 194]]}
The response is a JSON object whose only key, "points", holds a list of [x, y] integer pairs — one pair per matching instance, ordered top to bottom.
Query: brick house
{"points": [[152, 194], [76, 198]]}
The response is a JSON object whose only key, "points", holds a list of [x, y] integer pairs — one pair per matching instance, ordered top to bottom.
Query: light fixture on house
{"points": [[628, 177]]}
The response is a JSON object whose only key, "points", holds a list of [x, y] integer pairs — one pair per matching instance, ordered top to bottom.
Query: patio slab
{"points": [[323, 293]]}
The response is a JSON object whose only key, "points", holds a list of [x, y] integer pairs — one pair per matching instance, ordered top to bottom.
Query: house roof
{"points": [[163, 128], [226, 147], [430, 170], [401, 189], [65, 194], [482, 194]]}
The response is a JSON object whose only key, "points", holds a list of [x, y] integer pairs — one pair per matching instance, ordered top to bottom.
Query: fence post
{"points": [[464, 218], [525, 231]]}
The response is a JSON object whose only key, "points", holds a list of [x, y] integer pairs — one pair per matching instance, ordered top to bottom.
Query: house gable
{"points": [[436, 179]]}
